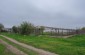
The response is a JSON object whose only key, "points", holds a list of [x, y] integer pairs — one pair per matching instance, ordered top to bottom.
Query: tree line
{"points": [[25, 28]]}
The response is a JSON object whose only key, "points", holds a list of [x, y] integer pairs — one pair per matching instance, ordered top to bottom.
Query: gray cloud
{"points": [[56, 13]]}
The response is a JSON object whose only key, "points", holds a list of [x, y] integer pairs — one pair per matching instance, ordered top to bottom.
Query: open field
{"points": [[69, 46]]}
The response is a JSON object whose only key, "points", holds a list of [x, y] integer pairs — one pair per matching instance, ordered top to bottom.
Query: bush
{"points": [[1, 27], [26, 28], [83, 28], [15, 29]]}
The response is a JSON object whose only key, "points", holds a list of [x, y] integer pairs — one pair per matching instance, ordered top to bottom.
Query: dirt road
{"points": [[11, 48], [39, 51]]}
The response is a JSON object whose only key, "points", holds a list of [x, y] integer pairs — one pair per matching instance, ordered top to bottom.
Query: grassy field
{"points": [[71, 46], [4, 51], [29, 52]]}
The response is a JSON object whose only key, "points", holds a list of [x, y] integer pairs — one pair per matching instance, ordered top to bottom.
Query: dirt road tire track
{"points": [[11, 48], [39, 51]]}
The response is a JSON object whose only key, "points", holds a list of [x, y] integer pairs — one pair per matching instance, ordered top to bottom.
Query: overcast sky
{"points": [[53, 13]]}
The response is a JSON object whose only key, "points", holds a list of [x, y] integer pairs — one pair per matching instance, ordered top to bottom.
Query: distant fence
{"points": [[53, 31], [58, 31]]}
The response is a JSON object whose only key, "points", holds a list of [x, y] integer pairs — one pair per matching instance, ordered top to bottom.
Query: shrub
{"points": [[1, 27], [26, 28], [15, 29]]}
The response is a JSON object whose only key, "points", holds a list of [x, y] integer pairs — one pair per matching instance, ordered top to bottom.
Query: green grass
{"points": [[71, 46], [4, 50], [25, 50]]}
